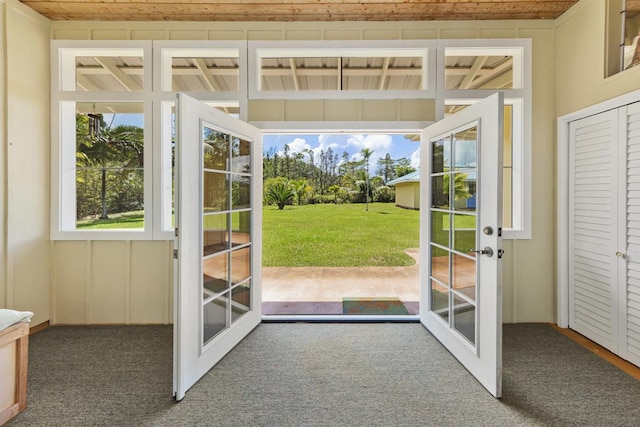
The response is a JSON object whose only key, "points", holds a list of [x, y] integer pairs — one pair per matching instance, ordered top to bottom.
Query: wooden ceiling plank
{"points": [[176, 10]]}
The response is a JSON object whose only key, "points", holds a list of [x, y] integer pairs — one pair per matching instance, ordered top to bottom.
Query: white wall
{"points": [[580, 57], [25, 161], [529, 273]]}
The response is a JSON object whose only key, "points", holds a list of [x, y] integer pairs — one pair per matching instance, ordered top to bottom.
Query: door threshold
{"points": [[337, 318]]}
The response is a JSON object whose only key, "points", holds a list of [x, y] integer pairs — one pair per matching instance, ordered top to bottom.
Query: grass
{"points": [[116, 221], [339, 235]]}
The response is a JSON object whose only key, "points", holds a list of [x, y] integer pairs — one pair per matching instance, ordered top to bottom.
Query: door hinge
{"points": [[176, 230], [499, 231], [175, 254]]}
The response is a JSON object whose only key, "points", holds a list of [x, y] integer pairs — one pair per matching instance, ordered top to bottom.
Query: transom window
{"points": [[113, 112]]}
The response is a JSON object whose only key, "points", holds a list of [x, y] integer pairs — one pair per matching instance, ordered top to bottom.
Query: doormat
{"points": [[375, 306]]}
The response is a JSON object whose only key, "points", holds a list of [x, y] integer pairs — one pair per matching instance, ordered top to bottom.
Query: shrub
{"points": [[384, 194]]}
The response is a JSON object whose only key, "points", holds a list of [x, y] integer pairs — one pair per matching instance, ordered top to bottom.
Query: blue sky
{"points": [[381, 144]]}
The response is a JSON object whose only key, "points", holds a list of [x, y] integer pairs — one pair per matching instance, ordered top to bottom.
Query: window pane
{"points": [[478, 72], [109, 73], [380, 73], [205, 74], [216, 149], [440, 155], [240, 156], [109, 166], [507, 168], [240, 191], [216, 192], [440, 192], [240, 228], [440, 228], [216, 233], [464, 233], [440, 264], [240, 265], [215, 274], [464, 276], [240, 300], [440, 300], [214, 318], [464, 318]]}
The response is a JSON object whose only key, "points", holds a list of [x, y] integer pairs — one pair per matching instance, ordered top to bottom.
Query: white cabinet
{"points": [[604, 229]]}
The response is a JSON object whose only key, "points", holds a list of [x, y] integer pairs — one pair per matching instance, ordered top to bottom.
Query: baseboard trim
{"points": [[38, 328], [597, 349]]}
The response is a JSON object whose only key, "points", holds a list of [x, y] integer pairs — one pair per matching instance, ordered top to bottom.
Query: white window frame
{"points": [[352, 48], [519, 97], [164, 101], [157, 108], [63, 159]]}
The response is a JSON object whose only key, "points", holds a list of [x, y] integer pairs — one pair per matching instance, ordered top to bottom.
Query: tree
{"points": [[103, 148], [366, 154], [403, 167], [386, 168], [460, 187], [300, 188], [334, 189], [280, 194]]}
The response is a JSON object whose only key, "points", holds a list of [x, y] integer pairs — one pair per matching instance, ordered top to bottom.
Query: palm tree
{"points": [[120, 147], [366, 154], [460, 187], [280, 194]]}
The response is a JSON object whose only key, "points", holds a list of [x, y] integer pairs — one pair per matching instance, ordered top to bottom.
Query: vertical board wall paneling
{"points": [[592, 227]]}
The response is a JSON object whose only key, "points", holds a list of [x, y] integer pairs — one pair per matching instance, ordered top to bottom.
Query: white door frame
{"points": [[562, 196]]}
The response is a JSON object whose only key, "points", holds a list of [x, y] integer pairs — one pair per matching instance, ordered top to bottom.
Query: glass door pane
{"points": [[453, 230]]}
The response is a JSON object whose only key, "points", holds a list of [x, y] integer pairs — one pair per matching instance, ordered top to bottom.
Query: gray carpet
{"points": [[314, 374]]}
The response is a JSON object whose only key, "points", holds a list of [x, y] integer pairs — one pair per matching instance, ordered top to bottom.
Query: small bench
{"points": [[14, 348]]}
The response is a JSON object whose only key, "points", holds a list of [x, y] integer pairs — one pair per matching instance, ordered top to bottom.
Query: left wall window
{"points": [[102, 98]]}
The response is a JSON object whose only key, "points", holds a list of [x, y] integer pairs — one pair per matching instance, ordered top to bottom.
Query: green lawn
{"points": [[125, 220], [339, 235]]}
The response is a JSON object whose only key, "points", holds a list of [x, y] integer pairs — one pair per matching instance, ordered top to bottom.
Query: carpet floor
{"points": [[315, 374]]}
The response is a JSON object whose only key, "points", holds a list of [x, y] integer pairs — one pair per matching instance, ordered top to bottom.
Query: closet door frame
{"points": [[562, 196]]}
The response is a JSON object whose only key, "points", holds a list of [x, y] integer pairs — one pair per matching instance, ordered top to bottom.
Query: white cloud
{"points": [[379, 144], [298, 145], [415, 158]]}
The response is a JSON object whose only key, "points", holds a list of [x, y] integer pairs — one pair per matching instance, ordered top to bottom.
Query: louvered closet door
{"points": [[593, 266], [630, 291]]}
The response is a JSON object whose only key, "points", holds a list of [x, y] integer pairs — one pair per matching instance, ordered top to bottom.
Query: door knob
{"points": [[486, 251]]}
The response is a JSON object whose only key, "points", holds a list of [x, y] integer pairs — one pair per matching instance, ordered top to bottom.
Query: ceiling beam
{"points": [[500, 69], [383, 73], [294, 74], [471, 75], [208, 78], [126, 81]]}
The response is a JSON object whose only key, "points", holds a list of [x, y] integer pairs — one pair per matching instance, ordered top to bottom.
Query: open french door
{"points": [[461, 237], [218, 244]]}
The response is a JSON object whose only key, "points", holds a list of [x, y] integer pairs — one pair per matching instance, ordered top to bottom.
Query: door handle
{"points": [[486, 251]]}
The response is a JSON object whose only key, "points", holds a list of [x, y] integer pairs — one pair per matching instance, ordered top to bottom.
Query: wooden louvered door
{"points": [[604, 229], [630, 291]]}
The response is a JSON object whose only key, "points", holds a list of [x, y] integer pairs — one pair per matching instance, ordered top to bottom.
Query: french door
{"points": [[461, 237], [218, 244]]}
